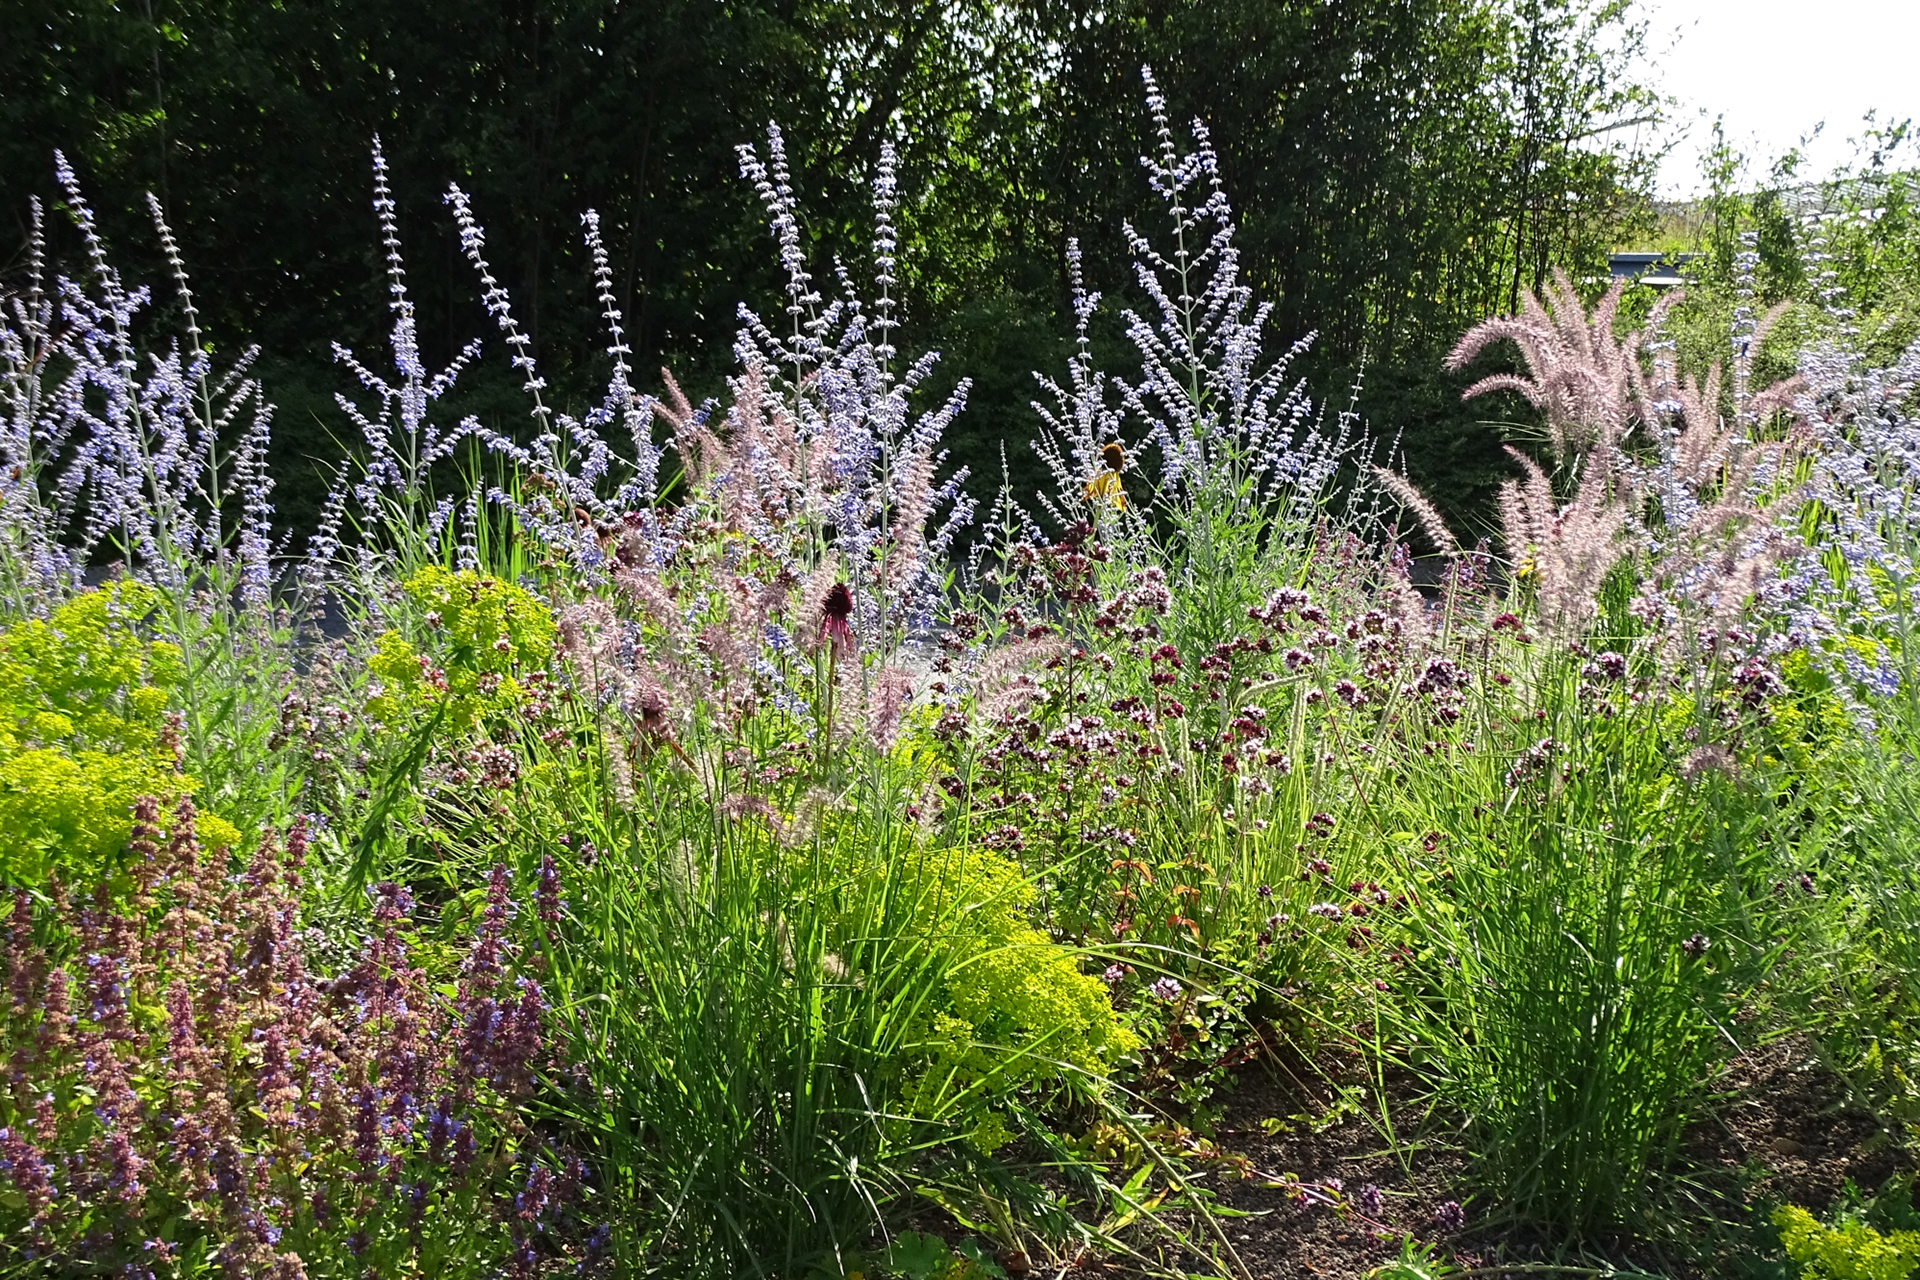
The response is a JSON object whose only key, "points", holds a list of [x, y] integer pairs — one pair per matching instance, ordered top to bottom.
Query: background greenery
{"points": [[1402, 168]]}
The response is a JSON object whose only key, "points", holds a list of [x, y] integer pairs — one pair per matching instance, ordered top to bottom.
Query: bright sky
{"points": [[1775, 69]]}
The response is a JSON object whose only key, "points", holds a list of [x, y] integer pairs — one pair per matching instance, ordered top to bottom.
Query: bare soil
{"points": [[1787, 1130]]}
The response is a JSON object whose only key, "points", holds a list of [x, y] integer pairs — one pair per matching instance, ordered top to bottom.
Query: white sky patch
{"points": [[1774, 69]]}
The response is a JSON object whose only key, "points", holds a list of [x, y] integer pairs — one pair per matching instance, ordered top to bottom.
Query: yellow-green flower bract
{"points": [[83, 701]]}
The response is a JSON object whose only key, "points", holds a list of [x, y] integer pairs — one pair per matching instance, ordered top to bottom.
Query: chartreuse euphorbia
{"points": [[486, 632], [83, 734], [1017, 1010], [1847, 1250]]}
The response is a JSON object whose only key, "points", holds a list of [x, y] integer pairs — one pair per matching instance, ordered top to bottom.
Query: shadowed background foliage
{"points": [[1401, 168]]}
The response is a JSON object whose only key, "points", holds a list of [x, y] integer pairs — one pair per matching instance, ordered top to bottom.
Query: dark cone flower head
{"points": [[835, 612]]}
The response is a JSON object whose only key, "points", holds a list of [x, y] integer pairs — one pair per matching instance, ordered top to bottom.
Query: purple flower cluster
{"points": [[111, 440], [185, 1065]]}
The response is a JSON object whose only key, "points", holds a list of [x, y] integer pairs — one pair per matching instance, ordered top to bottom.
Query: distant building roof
{"points": [[1658, 270]]}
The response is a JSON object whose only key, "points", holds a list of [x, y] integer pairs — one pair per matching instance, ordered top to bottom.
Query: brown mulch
{"points": [[1795, 1124], [1788, 1131], [1316, 1139]]}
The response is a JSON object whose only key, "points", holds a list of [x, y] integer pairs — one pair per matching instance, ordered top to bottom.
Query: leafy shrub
{"points": [[443, 711], [1847, 1250]]}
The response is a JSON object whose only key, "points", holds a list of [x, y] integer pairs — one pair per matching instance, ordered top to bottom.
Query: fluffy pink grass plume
{"points": [[1428, 516], [893, 690]]}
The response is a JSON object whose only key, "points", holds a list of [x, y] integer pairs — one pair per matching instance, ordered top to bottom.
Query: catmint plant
{"points": [[187, 1085]]}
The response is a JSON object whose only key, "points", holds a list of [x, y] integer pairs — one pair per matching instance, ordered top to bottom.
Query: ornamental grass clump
{"points": [[1646, 463], [1592, 924]]}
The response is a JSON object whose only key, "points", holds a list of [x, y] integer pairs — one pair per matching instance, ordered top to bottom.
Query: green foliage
{"points": [[1404, 166], [1842, 249], [483, 634], [87, 677], [445, 702], [1807, 730], [83, 734], [1868, 805], [70, 812], [1846, 1250], [915, 1255], [1417, 1261]]}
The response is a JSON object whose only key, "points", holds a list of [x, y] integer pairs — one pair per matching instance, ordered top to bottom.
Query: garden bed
{"points": [[647, 844]]}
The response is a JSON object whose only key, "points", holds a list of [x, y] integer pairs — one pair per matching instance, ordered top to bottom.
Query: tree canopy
{"points": [[1402, 169]]}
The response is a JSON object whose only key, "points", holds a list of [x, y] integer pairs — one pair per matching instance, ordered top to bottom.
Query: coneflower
{"points": [[835, 612]]}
